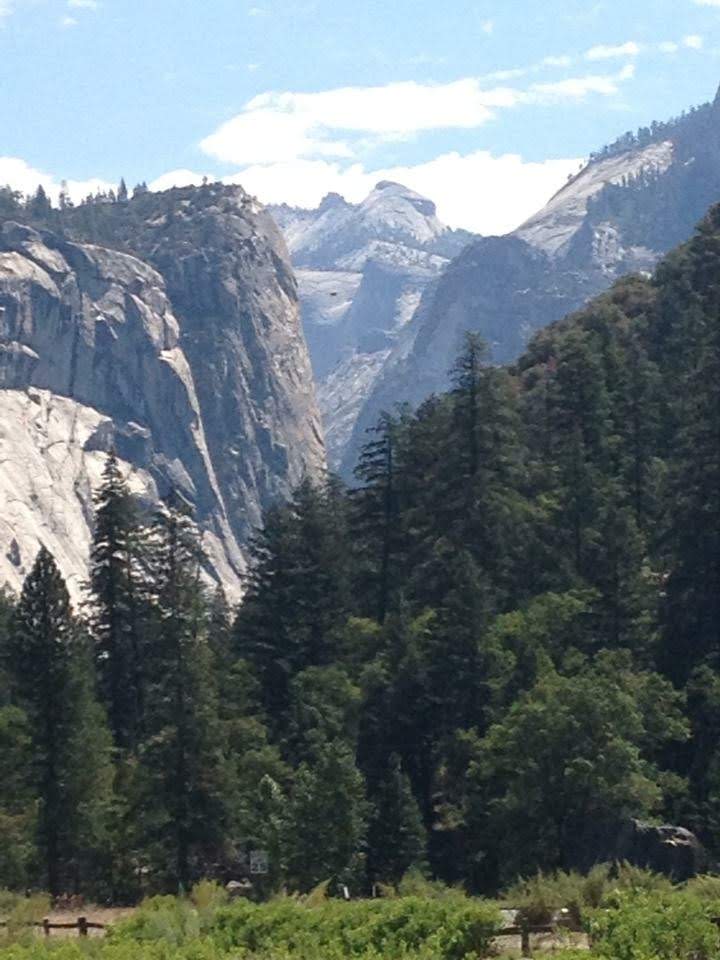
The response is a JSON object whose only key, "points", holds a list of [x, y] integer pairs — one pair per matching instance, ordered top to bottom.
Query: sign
{"points": [[259, 862]]}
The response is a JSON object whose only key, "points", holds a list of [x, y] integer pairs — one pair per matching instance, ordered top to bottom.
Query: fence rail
{"points": [[82, 925]]}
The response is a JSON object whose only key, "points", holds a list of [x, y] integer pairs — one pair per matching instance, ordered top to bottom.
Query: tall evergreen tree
{"points": [[376, 514], [298, 597], [117, 606], [52, 686], [184, 768], [397, 839]]}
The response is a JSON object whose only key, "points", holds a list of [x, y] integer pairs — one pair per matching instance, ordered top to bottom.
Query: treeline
{"points": [[692, 120], [659, 205], [118, 218], [506, 636]]}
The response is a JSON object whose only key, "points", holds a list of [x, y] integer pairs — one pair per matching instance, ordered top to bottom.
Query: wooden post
{"points": [[46, 926], [83, 926], [525, 949]]}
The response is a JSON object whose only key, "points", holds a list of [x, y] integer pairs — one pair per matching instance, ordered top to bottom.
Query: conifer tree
{"points": [[376, 513], [298, 595], [117, 606], [53, 687], [184, 769], [18, 800], [328, 815], [397, 839]]}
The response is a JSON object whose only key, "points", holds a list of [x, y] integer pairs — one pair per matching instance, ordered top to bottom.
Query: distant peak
{"points": [[391, 185], [331, 200], [423, 206]]}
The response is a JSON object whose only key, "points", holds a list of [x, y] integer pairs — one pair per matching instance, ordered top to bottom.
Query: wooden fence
{"points": [[82, 925], [523, 930], [526, 930]]}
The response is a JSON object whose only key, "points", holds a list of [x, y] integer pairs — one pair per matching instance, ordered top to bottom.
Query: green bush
{"points": [[637, 880], [705, 888], [538, 898], [20, 914], [646, 926], [450, 927], [440, 928]]}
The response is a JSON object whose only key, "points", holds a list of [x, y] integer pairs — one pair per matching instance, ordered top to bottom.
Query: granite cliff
{"points": [[167, 327]]}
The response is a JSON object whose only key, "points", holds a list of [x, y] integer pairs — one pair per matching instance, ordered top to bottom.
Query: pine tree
{"points": [[122, 194], [39, 205], [376, 514], [692, 544], [298, 597], [118, 606], [43, 637], [52, 684], [183, 758], [18, 800], [328, 815], [397, 839]]}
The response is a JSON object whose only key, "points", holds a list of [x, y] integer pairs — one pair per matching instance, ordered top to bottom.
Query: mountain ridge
{"points": [[634, 201], [362, 269]]}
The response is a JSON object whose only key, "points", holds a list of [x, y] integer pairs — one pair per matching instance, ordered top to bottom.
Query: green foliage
{"points": [[485, 661], [567, 753], [328, 818], [705, 887], [640, 926], [449, 928]]}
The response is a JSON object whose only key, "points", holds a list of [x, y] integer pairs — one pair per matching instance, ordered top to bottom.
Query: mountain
{"points": [[633, 202], [361, 270], [167, 327]]}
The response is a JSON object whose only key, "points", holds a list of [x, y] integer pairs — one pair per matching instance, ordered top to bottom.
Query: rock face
{"points": [[631, 204], [361, 269], [174, 338], [673, 851]]}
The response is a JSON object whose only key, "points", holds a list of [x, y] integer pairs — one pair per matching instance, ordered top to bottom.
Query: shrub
{"points": [[637, 880], [705, 888], [538, 898], [24, 912], [646, 926], [449, 928]]}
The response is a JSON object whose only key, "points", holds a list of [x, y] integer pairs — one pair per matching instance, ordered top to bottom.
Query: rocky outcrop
{"points": [[631, 204], [362, 270], [180, 346], [670, 850]]}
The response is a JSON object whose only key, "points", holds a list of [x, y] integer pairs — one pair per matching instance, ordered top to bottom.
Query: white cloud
{"points": [[707, 3], [83, 4], [6, 8], [68, 22], [487, 26], [693, 42], [669, 46], [602, 52], [563, 61], [577, 88], [277, 127], [20, 175], [178, 178]]}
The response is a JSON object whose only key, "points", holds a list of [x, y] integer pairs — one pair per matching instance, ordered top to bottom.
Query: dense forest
{"points": [[508, 630]]}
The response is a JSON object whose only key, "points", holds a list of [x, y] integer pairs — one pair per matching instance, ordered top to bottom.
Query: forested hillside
{"points": [[506, 634]]}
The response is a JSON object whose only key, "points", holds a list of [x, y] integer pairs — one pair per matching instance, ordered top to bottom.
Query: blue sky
{"points": [[485, 106]]}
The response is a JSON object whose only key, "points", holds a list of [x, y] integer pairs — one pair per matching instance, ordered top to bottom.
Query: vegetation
{"points": [[506, 635], [626, 917]]}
